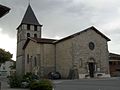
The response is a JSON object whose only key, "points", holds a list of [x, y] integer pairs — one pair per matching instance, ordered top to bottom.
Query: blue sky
{"points": [[61, 18]]}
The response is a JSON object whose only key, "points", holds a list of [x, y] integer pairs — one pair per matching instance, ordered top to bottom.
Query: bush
{"points": [[27, 79], [14, 82], [24, 82], [41, 85], [34, 86]]}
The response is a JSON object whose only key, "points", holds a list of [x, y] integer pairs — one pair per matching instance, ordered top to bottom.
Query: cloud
{"points": [[61, 16], [65, 17], [8, 44]]}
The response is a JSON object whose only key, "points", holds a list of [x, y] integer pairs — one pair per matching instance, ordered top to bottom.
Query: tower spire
{"points": [[28, 2], [29, 17]]}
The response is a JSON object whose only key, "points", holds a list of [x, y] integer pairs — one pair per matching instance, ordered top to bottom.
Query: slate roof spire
{"points": [[29, 17]]}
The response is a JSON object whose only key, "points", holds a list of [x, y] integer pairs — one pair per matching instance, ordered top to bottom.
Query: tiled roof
{"points": [[3, 10], [90, 28], [39, 40], [43, 40], [114, 56]]}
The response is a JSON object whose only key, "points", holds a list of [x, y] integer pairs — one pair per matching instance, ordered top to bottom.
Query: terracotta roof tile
{"points": [[39, 40], [44, 40], [114, 56]]}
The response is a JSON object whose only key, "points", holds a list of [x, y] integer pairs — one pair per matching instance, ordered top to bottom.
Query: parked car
{"points": [[54, 75]]}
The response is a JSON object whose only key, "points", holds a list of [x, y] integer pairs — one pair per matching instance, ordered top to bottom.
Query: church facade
{"points": [[81, 55]]}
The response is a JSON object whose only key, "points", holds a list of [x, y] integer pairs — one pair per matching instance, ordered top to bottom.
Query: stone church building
{"points": [[81, 55]]}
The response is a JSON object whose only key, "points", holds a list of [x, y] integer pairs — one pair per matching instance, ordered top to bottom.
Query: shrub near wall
{"points": [[14, 82], [41, 85]]}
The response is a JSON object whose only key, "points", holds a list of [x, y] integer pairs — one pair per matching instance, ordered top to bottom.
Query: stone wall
{"points": [[31, 51], [75, 52], [44, 54], [64, 57], [48, 58]]}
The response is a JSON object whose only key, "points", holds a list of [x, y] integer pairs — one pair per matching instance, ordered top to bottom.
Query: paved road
{"points": [[82, 84], [88, 84]]}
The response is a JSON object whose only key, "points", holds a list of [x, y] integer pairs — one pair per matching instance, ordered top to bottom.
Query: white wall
{"points": [[5, 68]]}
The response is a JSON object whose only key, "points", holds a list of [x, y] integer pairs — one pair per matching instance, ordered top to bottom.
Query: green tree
{"points": [[4, 56]]}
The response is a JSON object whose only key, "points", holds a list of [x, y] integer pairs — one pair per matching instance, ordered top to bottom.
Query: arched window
{"points": [[35, 28], [28, 34], [35, 35], [18, 38], [27, 58], [35, 61]]}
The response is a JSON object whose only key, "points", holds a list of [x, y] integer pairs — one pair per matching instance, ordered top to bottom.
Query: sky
{"points": [[61, 18]]}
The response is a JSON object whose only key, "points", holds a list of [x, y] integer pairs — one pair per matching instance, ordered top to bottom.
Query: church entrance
{"points": [[91, 66]]}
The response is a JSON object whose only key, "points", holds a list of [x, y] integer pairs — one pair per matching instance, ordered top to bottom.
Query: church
{"points": [[81, 55]]}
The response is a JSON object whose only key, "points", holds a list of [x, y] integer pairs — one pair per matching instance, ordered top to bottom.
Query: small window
{"points": [[28, 26], [35, 28], [28, 34], [35, 35], [18, 38], [91, 46], [27, 58], [35, 61], [80, 62], [118, 62], [110, 63], [114, 63], [3, 67], [118, 70]]}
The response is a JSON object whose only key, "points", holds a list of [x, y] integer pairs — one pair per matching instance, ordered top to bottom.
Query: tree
{"points": [[4, 56]]}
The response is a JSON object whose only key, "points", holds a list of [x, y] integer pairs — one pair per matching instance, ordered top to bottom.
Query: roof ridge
{"points": [[75, 34]]}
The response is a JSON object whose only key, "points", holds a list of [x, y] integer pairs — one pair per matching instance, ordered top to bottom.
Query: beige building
{"points": [[81, 55], [39, 56], [88, 56], [5, 68]]}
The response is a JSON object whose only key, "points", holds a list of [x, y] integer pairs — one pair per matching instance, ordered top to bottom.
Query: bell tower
{"points": [[29, 27]]}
